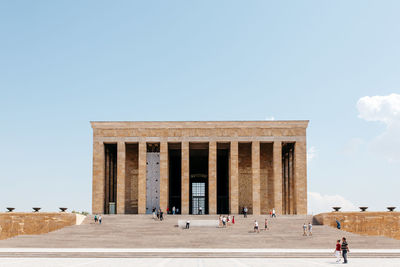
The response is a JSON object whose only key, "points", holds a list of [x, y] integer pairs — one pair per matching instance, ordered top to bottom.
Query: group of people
{"points": [[245, 210], [158, 214], [97, 218], [224, 220], [257, 227], [307, 229], [342, 250]]}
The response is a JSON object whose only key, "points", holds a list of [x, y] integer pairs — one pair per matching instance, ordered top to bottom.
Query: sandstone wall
{"points": [[18, 223], [364, 223]]}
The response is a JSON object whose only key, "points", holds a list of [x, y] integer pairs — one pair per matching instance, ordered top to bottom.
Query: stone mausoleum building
{"points": [[220, 166]]}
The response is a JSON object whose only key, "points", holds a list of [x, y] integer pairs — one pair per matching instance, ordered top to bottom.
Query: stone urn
{"points": [[336, 208], [363, 208], [391, 208], [10, 209], [36, 209], [63, 209]]}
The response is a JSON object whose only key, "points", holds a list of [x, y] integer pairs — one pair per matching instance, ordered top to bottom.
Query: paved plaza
{"points": [[141, 231], [200, 262]]}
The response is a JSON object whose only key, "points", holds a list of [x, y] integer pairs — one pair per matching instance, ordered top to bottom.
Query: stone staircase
{"points": [[141, 231]]}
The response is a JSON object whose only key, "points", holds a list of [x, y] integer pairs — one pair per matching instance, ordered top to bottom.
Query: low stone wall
{"points": [[21, 223], [364, 223]]}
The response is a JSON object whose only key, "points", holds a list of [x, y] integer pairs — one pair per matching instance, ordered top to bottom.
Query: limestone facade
{"points": [[259, 173]]}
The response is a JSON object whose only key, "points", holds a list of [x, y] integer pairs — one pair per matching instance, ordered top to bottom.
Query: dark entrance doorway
{"points": [[175, 166], [198, 170], [223, 178], [198, 197]]}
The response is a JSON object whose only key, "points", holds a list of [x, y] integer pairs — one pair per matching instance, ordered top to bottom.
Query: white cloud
{"points": [[385, 109], [270, 118], [312, 153], [318, 203]]}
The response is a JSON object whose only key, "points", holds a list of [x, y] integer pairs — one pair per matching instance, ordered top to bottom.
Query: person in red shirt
{"points": [[337, 251]]}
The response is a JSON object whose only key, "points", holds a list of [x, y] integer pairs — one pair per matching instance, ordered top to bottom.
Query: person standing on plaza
{"points": [[173, 210], [200, 210], [245, 211], [154, 213], [273, 213], [161, 215], [95, 218], [100, 219], [233, 219], [224, 221], [187, 224], [266, 224], [256, 227], [309, 228], [304, 229], [345, 249], [337, 251]]}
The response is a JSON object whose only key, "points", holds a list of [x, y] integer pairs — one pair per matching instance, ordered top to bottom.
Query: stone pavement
{"points": [[141, 231], [184, 262]]}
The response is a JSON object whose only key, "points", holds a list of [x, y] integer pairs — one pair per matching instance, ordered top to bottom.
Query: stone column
{"points": [[121, 156], [277, 162], [255, 165], [212, 177], [300, 177], [98, 178], [142, 178], [185, 178], [234, 178], [164, 182], [291, 183], [286, 184]]}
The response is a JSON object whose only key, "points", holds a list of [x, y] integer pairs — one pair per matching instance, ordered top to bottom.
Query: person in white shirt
{"points": [[256, 227]]}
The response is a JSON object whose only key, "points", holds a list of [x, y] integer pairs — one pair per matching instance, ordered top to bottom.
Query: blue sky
{"points": [[65, 63]]}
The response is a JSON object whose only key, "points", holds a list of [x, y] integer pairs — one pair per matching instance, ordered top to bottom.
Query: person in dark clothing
{"points": [[337, 224], [345, 249]]}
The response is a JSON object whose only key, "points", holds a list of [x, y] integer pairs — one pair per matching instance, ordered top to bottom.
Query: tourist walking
{"points": [[173, 210], [200, 210], [245, 212], [154, 213], [273, 213], [161, 215], [95, 218], [100, 219], [233, 219], [220, 221], [223, 222], [187, 224], [266, 224], [256, 227], [309, 228], [304, 229], [345, 249], [337, 251]]}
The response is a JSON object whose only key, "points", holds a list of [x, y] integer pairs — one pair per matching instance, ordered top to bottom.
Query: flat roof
{"points": [[201, 124]]}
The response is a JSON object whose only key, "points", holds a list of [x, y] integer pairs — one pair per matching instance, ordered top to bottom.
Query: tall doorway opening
{"points": [[198, 171], [175, 177], [223, 178]]}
